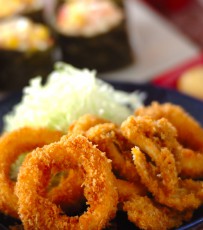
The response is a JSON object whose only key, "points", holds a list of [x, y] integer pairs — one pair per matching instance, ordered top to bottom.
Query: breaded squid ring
{"points": [[85, 122], [190, 132], [152, 136], [109, 139], [12, 145], [191, 164], [159, 173], [127, 189], [68, 193], [181, 198], [38, 212], [144, 212], [149, 215]]}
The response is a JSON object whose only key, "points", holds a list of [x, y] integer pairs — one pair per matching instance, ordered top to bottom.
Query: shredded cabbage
{"points": [[69, 93]]}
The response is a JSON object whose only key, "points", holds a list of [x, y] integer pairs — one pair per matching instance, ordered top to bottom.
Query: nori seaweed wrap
{"points": [[119, 2], [35, 14], [93, 34], [26, 50]]}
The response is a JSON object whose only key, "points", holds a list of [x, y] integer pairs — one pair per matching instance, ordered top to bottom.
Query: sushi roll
{"points": [[34, 9], [93, 34], [26, 50]]}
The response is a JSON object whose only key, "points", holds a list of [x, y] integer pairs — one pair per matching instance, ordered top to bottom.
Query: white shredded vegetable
{"points": [[68, 94]]}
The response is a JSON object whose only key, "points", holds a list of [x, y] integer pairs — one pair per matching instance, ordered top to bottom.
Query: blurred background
{"points": [[186, 15], [141, 41]]}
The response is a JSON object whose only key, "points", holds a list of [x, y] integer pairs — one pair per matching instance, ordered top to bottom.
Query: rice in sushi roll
{"points": [[93, 34], [26, 50]]}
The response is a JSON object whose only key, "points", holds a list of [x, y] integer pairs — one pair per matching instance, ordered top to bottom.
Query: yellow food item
{"points": [[13, 7], [22, 34], [191, 82]]}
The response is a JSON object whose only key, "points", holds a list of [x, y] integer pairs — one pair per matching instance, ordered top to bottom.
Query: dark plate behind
{"points": [[193, 106]]}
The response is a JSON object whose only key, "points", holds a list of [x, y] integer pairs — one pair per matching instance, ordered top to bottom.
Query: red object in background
{"points": [[175, 4], [168, 5], [186, 15], [170, 78]]}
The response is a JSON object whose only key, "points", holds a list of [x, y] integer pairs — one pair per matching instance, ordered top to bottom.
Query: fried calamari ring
{"points": [[85, 122], [190, 132], [151, 136], [110, 140], [12, 145], [191, 164], [160, 174], [127, 189], [68, 193], [180, 198], [38, 212], [144, 212], [149, 215]]}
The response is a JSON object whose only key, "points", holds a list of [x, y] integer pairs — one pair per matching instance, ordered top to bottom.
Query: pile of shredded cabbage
{"points": [[68, 94]]}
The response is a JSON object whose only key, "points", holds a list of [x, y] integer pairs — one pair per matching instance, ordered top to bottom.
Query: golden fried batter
{"points": [[85, 122], [190, 132], [109, 139], [13, 144], [155, 159], [191, 164], [38, 212], [149, 215]]}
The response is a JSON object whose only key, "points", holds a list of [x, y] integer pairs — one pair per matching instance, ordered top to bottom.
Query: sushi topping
{"points": [[12, 7], [9, 8], [88, 17], [23, 35]]}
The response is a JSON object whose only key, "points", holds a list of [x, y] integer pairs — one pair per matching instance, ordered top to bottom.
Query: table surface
{"points": [[157, 44]]}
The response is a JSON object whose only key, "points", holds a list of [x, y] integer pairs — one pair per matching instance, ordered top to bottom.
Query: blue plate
{"points": [[153, 93]]}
